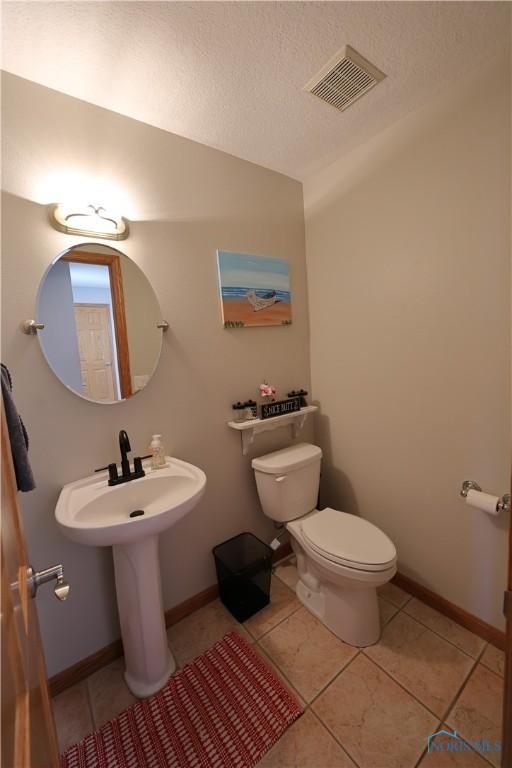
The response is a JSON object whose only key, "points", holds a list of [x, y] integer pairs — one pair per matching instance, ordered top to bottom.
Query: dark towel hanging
{"points": [[17, 435]]}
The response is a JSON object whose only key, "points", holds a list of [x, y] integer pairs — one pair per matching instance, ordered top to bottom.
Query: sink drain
{"points": [[137, 513]]}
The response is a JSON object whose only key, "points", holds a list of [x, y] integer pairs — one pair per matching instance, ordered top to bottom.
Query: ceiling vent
{"points": [[345, 78]]}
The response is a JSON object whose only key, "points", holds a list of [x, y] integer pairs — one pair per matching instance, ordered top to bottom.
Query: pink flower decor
{"points": [[267, 390]]}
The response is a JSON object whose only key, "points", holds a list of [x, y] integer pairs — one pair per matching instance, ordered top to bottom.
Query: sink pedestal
{"points": [[92, 512], [149, 661]]}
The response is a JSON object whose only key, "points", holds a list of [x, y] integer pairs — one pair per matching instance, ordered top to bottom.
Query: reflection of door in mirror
{"points": [[98, 305], [96, 351]]}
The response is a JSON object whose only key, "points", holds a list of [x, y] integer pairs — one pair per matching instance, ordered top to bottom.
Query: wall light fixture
{"points": [[89, 220]]}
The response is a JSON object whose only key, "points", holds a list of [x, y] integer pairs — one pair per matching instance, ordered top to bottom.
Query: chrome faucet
{"points": [[126, 473]]}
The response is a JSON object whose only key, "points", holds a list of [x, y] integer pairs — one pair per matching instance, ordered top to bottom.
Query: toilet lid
{"points": [[348, 540]]}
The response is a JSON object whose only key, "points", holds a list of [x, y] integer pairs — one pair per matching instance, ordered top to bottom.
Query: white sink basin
{"points": [[92, 512]]}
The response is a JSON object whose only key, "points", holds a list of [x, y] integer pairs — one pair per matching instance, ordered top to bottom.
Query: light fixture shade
{"points": [[89, 220]]}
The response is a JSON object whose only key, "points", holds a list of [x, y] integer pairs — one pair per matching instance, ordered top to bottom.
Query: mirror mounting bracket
{"points": [[31, 327]]}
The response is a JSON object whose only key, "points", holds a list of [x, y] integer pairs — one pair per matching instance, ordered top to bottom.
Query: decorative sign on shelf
{"points": [[280, 408]]}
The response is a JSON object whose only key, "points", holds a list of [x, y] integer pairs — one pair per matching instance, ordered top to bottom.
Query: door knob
{"points": [[36, 578]]}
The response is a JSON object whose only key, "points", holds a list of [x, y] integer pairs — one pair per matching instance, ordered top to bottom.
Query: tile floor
{"points": [[366, 708]]}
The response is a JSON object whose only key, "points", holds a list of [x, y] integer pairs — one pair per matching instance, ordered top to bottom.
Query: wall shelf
{"points": [[249, 429]]}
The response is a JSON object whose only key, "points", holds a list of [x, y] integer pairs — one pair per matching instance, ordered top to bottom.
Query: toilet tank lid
{"points": [[288, 459]]}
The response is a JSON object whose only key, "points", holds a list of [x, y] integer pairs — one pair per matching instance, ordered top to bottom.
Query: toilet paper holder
{"points": [[503, 504]]}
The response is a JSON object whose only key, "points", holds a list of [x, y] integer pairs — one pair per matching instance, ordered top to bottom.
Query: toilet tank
{"points": [[288, 481]]}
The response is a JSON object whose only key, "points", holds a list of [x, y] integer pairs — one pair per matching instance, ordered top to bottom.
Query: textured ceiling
{"points": [[230, 74]]}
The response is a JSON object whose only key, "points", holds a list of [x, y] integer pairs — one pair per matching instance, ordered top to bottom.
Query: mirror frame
{"points": [[113, 262]]}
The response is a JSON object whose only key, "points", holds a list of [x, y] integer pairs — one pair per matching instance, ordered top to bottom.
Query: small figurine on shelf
{"points": [[267, 392]]}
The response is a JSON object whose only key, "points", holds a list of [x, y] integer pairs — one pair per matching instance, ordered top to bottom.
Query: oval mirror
{"points": [[100, 314]]}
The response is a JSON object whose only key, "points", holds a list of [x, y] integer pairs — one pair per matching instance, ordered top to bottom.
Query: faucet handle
{"points": [[112, 471]]}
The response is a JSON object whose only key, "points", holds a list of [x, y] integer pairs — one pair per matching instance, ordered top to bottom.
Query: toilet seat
{"points": [[347, 540]]}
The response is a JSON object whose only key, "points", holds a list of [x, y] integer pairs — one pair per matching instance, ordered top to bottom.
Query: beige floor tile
{"points": [[287, 572], [394, 594], [282, 603], [387, 610], [450, 630], [193, 635], [308, 654], [494, 659], [428, 666], [280, 675], [108, 692], [477, 712], [72, 715], [379, 724], [306, 744], [443, 755]]}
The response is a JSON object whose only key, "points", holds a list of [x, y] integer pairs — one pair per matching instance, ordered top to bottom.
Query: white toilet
{"points": [[341, 558]]}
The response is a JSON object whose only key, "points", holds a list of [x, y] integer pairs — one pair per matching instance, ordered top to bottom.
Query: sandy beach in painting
{"points": [[239, 310]]}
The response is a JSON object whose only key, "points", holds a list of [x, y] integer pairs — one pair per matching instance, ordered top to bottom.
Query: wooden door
{"points": [[96, 350], [28, 731], [506, 761]]}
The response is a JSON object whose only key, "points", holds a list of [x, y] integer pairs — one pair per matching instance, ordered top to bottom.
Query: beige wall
{"points": [[192, 200], [408, 253]]}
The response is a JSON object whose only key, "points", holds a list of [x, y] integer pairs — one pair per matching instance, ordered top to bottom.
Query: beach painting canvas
{"points": [[254, 290]]}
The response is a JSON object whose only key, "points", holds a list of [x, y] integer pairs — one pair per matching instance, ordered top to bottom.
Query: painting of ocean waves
{"points": [[229, 292]]}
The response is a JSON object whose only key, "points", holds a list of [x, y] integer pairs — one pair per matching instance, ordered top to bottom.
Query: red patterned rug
{"points": [[224, 710]]}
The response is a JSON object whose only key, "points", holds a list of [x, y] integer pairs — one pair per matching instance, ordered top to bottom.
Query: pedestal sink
{"points": [[90, 512]]}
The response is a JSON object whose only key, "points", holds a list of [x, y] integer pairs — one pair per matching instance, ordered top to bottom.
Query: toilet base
{"points": [[343, 599], [351, 614]]}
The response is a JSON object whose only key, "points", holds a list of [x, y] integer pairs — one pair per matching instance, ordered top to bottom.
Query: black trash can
{"points": [[244, 568]]}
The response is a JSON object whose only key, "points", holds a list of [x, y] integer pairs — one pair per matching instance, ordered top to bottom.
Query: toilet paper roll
{"points": [[483, 501]]}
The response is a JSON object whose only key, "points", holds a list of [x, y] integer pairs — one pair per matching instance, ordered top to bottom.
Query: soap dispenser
{"points": [[157, 452]]}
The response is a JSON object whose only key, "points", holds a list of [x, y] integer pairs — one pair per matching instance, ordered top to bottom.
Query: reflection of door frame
{"points": [[113, 262]]}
